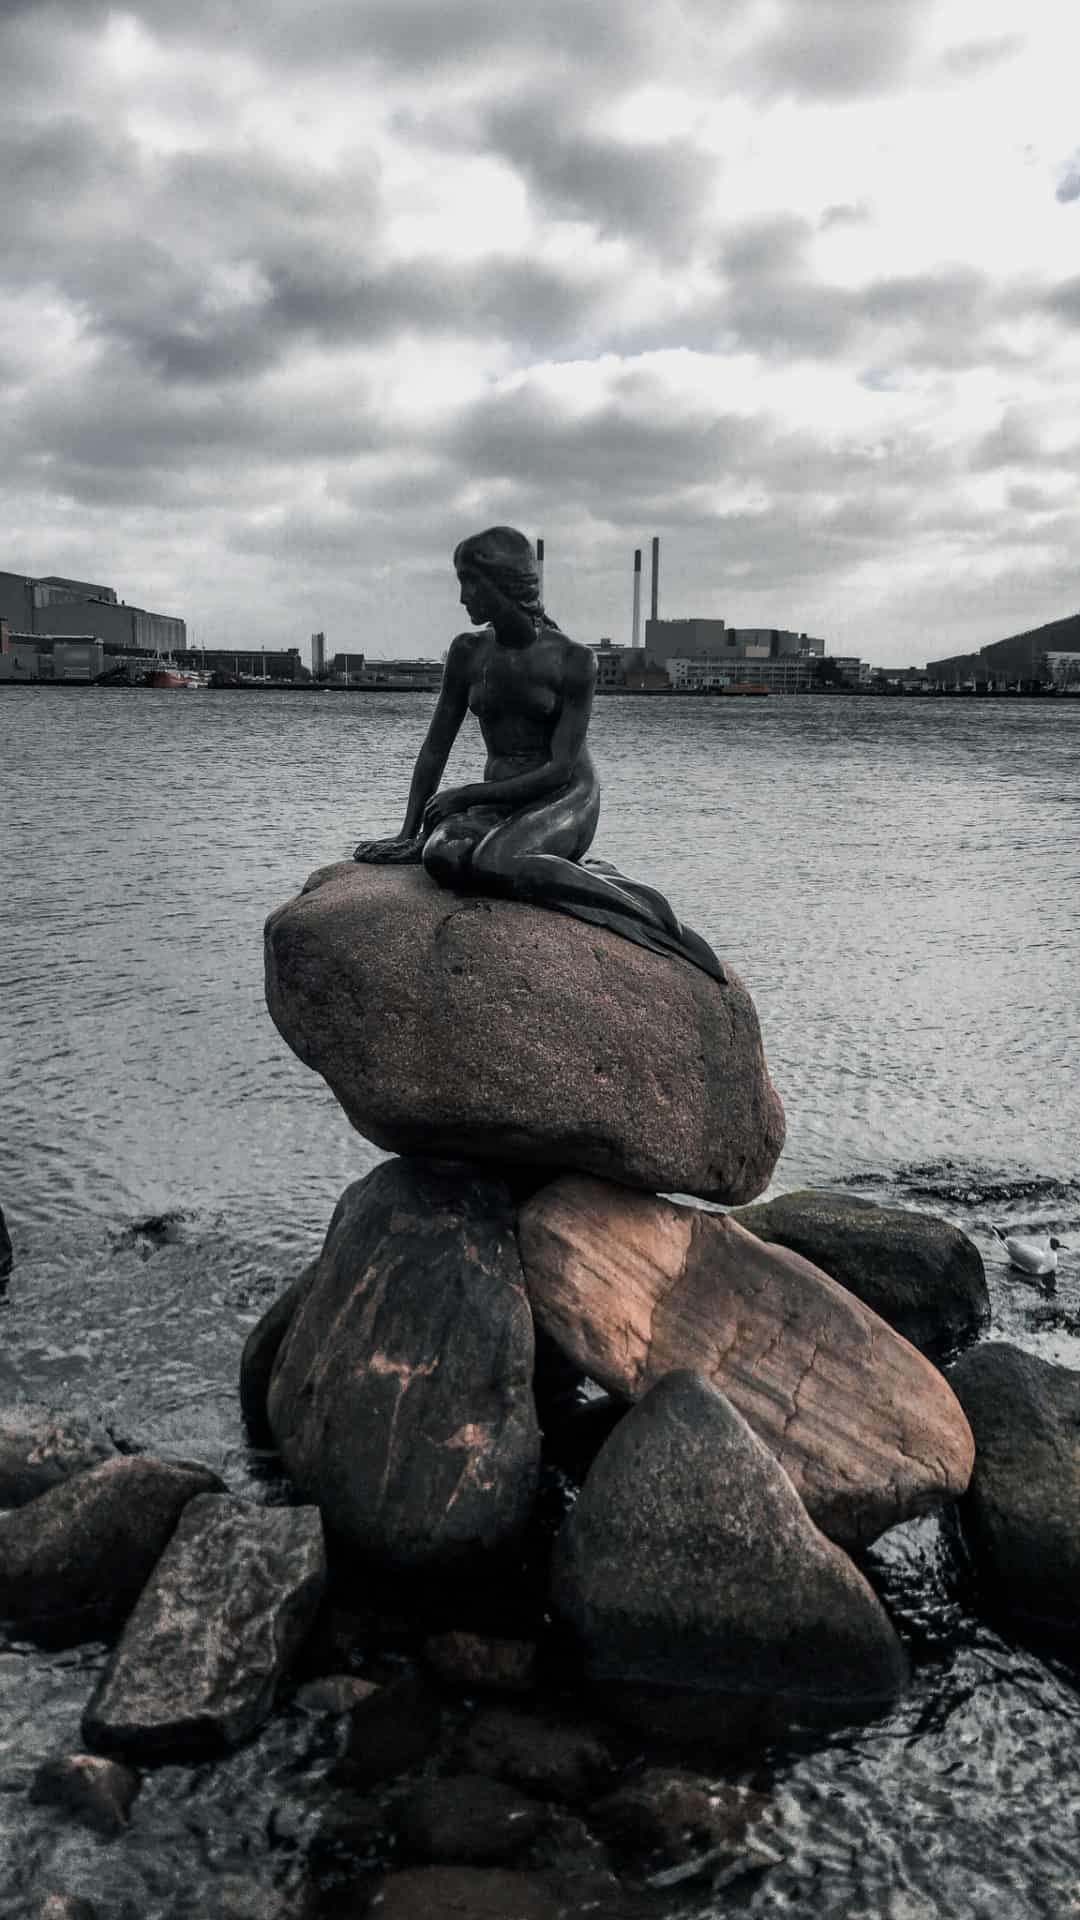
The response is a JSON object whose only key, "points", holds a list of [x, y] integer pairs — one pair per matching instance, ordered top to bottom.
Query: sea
{"points": [[898, 884]]}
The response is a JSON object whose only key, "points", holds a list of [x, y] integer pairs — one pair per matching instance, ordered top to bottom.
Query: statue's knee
{"points": [[446, 860]]}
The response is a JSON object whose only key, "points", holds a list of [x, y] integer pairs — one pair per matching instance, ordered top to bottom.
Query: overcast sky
{"points": [[296, 293]]}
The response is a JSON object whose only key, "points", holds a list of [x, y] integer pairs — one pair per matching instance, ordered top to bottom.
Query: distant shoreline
{"points": [[625, 693]]}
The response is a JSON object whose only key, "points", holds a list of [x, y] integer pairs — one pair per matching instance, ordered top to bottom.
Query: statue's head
{"points": [[501, 557]]}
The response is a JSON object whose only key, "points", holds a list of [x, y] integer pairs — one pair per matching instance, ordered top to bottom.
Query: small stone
{"points": [[921, 1274], [40, 1448], [1021, 1515], [77, 1556], [199, 1662], [473, 1664], [335, 1693], [393, 1729], [543, 1756], [99, 1792], [676, 1814], [469, 1819], [350, 1832], [463, 1893]]}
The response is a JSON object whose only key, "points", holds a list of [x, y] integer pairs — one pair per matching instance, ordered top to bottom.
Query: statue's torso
{"points": [[517, 697]]}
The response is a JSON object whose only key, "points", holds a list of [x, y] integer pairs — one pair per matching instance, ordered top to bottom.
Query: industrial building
{"points": [[56, 608], [1042, 656]]}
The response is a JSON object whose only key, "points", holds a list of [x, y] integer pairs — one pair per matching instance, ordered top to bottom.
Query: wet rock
{"points": [[520, 1035], [7, 1255], [921, 1274], [634, 1287], [260, 1352], [401, 1400], [39, 1448], [1021, 1515], [76, 1558], [706, 1601], [199, 1662], [477, 1665], [335, 1693], [393, 1729], [550, 1758], [97, 1791], [669, 1812], [468, 1819], [350, 1832], [463, 1893], [238, 1897], [62, 1906]]}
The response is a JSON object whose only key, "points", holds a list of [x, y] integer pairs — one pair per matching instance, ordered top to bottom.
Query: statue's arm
{"points": [[450, 710]]}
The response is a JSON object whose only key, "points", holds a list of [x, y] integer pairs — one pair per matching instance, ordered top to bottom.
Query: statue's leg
{"points": [[448, 852], [534, 856]]}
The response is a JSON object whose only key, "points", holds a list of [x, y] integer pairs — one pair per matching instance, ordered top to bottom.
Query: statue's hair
{"points": [[508, 559]]}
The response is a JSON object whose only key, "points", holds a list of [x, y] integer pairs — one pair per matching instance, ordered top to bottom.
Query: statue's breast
{"points": [[501, 689]]}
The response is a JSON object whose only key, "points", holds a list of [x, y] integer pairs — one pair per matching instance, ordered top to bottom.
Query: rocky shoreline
{"points": [[582, 1476]]}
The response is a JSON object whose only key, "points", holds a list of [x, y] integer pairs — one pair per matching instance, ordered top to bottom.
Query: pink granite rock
{"points": [[486, 1030], [632, 1287]]}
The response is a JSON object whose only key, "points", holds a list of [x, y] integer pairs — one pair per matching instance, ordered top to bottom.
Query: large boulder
{"points": [[488, 1030], [7, 1256], [921, 1274], [633, 1287], [261, 1349], [401, 1400], [1021, 1515], [73, 1561], [707, 1602], [199, 1662]]}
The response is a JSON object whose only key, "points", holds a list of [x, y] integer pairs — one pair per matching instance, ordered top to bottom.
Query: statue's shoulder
{"points": [[462, 650], [579, 660]]}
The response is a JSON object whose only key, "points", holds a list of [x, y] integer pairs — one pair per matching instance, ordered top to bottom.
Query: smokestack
{"points": [[540, 564], [637, 597], [654, 597]]}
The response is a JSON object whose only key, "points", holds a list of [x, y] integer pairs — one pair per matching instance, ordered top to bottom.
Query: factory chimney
{"points": [[540, 565], [654, 596], [637, 598]]}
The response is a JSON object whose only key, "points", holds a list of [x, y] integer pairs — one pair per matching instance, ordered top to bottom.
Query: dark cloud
{"points": [[835, 50], [658, 193]]}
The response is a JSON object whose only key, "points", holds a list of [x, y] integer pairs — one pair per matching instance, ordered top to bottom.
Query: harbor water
{"points": [[897, 882]]}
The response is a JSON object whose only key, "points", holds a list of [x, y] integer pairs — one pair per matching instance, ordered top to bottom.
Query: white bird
{"points": [[1037, 1257]]}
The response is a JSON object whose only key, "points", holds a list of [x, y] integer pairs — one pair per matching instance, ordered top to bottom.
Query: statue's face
{"points": [[475, 597]]}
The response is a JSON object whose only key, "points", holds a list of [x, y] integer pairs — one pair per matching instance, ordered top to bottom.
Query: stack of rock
{"points": [[543, 1082]]}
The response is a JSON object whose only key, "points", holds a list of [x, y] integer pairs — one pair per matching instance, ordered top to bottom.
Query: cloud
{"points": [[834, 50], [1068, 187]]}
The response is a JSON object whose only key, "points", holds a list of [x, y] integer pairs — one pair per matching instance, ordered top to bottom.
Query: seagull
{"points": [[1037, 1257]]}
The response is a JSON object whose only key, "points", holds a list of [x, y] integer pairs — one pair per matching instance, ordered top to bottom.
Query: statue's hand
{"points": [[442, 805], [399, 851]]}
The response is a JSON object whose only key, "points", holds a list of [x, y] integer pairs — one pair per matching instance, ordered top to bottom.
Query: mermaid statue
{"points": [[521, 832]]}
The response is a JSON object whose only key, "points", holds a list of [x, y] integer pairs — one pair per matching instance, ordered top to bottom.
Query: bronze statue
{"points": [[521, 831]]}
